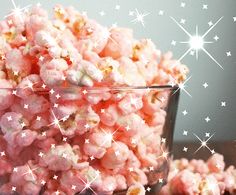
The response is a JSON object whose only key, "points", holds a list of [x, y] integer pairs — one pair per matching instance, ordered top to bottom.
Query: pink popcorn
{"points": [[94, 32], [44, 39], [119, 44], [144, 50], [16, 62], [110, 69], [52, 72], [84, 73], [130, 73], [28, 85], [95, 96], [6, 97], [154, 101], [35, 104], [130, 104], [109, 116], [86, 118], [11, 122], [132, 123], [26, 138], [98, 142], [115, 156], [60, 158], [216, 163], [198, 166], [136, 175], [72, 178], [120, 182], [185, 183], [108, 185], [209, 186], [136, 189]]}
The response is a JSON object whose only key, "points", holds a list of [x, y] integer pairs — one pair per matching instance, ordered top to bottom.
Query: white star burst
{"points": [[17, 11], [140, 17], [196, 42], [181, 86], [57, 121], [109, 136], [204, 143], [30, 172], [87, 185]]}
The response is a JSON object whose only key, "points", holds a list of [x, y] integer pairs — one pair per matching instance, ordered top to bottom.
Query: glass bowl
{"points": [[80, 140]]}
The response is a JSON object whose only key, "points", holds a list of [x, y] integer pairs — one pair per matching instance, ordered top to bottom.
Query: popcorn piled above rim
{"points": [[71, 51]]}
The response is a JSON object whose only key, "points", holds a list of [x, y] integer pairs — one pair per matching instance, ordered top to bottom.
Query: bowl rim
{"points": [[95, 87]]}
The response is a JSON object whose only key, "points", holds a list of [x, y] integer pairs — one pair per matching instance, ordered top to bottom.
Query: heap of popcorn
{"points": [[54, 130]]}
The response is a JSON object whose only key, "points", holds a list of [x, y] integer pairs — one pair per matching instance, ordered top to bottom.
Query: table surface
{"points": [[228, 149]]}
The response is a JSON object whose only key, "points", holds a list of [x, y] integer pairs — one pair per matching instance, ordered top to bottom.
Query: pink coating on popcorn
{"points": [[114, 48], [6, 97]]}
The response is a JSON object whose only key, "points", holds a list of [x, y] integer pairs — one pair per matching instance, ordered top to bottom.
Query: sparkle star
{"points": [[182, 4], [204, 6], [117, 7], [17, 11], [102, 13], [161, 13], [140, 17], [234, 18], [182, 21], [210, 23], [216, 38], [197, 42], [173, 43], [228, 53], [205, 85], [52, 91], [14, 92], [58, 96], [223, 104], [26, 106], [185, 112], [9, 118], [38, 118], [207, 119], [86, 126], [127, 128], [185, 133], [207, 134], [23, 135], [64, 139], [86, 141], [203, 143], [185, 149], [3, 153], [41, 154], [151, 168], [15, 169], [55, 177], [160, 180], [43, 182], [73, 187], [13, 188], [148, 189]]}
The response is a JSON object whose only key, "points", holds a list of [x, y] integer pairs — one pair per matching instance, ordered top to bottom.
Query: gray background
{"points": [[162, 30]]}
